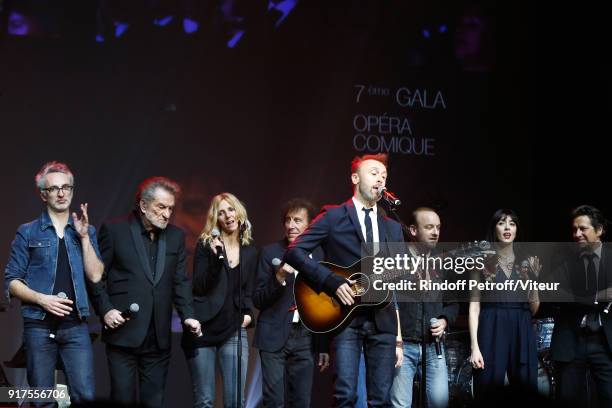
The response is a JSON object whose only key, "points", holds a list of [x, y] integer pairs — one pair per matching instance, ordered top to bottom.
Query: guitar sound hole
{"points": [[362, 284]]}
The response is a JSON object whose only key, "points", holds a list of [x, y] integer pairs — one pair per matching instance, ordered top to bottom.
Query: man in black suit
{"points": [[343, 232], [144, 263], [582, 337], [285, 345]]}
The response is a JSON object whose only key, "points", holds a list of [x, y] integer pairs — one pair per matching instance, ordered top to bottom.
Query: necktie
{"points": [[368, 224], [591, 274]]}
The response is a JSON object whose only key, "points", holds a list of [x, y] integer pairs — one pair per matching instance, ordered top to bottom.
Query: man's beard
{"points": [[368, 195], [156, 223], [431, 244]]}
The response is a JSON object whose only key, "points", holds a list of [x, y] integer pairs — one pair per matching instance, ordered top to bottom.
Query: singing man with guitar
{"points": [[342, 232]]}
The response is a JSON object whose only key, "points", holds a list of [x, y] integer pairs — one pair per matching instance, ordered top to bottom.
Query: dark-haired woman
{"points": [[502, 337]]}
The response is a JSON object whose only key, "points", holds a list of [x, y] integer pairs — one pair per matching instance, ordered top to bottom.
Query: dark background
{"points": [[272, 118]]}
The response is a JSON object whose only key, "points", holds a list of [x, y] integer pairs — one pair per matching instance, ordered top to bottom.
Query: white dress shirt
{"points": [[373, 217]]}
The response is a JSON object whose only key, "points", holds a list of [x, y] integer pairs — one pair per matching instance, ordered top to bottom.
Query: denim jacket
{"points": [[33, 260]]}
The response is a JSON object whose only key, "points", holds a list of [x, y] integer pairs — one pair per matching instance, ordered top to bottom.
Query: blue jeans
{"points": [[73, 347], [379, 352], [202, 368], [436, 387], [362, 397]]}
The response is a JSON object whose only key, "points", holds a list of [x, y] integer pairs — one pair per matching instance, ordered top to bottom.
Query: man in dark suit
{"points": [[343, 232], [144, 263], [582, 337], [285, 346]]}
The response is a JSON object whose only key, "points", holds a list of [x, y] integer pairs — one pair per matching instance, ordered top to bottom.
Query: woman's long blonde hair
{"points": [[213, 212]]}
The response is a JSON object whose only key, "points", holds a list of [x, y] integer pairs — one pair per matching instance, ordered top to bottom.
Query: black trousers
{"points": [[594, 355], [143, 369], [287, 373]]}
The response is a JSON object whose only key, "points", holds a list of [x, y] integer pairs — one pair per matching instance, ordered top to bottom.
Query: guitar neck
{"points": [[392, 275]]}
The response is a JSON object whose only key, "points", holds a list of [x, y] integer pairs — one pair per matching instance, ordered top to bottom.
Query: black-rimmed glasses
{"points": [[66, 189]]}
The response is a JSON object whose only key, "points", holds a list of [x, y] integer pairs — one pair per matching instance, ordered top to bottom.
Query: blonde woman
{"points": [[223, 272]]}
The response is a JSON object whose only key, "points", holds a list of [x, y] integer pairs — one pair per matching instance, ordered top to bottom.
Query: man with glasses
{"points": [[50, 259]]}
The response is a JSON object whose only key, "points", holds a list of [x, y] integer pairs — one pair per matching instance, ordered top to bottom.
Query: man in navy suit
{"points": [[343, 232], [582, 337], [285, 346]]}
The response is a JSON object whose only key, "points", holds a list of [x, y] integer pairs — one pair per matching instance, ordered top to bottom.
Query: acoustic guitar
{"points": [[321, 313]]}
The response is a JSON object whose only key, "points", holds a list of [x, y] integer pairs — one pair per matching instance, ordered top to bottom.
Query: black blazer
{"points": [[338, 232], [571, 276], [128, 279], [210, 285], [274, 300]]}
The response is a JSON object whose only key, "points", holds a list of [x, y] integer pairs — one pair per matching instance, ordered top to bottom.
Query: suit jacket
{"points": [[338, 232], [571, 276], [128, 279], [210, 284], [274, 301]]}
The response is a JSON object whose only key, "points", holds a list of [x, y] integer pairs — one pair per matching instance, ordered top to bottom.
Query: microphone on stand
{"points": [[390, 197], [245, 226], [215, 234], [433, 321]]}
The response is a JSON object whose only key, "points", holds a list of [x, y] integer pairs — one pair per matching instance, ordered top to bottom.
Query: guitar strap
{"points": [[387, 240]]}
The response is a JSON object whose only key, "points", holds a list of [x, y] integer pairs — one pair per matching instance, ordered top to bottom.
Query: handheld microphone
{"points": [[390, 197], [215, 234], [278, 264], [607, 308], [131, 311], [433, 321], [55, 323]]}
